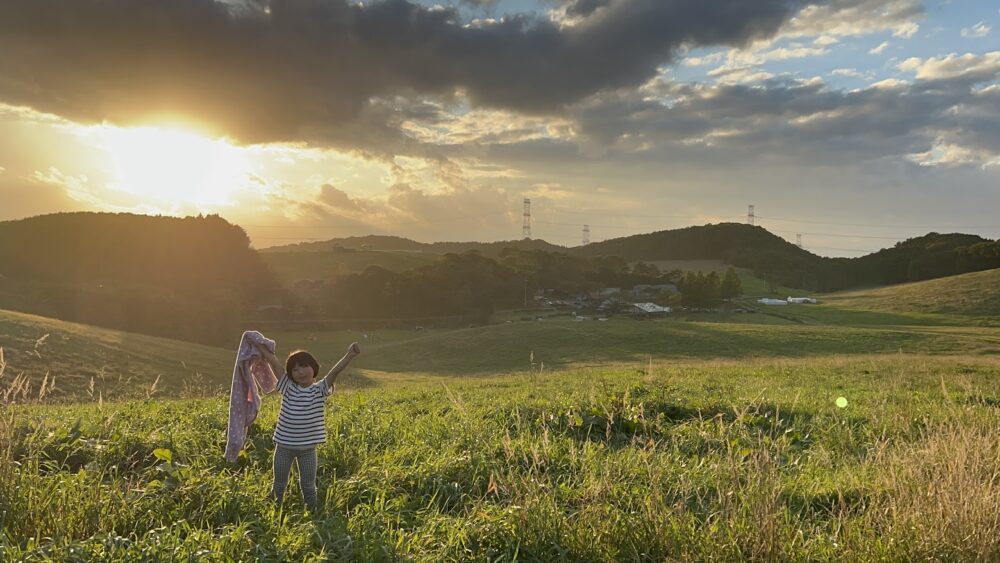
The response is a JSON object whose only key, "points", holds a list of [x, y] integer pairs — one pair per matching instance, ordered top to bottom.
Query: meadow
{"points": [[736, 437], [726, 460]]}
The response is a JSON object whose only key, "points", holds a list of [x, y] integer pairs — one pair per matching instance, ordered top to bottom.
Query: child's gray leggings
{"points": [[307, 472]]}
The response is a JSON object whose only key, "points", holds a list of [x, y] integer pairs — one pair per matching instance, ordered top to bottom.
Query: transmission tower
{"points": [[750, 215], [526, 227], [586, 235], [798, 240]]}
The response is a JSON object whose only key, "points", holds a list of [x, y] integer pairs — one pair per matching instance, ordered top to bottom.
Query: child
{"points": [[302, 418]]}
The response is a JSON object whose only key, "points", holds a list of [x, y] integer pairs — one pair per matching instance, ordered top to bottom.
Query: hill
{"points": [[734, 243], [400, 244], [753, 248], [771, 257], [165, 276], [975, 294], [965, 300], [87, 361]]}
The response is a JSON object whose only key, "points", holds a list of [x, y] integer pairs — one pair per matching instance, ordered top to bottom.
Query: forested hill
{"points": [[382, 242], [729, 242], [930, 256], [927, 257], [157, 275]]}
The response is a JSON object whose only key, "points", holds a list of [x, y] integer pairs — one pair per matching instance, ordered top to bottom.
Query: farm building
{"points": [[801, 300], [769, 301], [648, 310]]}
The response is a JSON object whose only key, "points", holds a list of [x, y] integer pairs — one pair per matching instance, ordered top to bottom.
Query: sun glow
{"points": [[174, 167]]}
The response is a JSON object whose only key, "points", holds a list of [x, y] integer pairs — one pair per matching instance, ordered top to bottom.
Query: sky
{"points": [[848, 124]]}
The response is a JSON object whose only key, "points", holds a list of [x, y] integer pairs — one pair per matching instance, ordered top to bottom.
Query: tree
{"points": [[731, 285], [699, 290]]}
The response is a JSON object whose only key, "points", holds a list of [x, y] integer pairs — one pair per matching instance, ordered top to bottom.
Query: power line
{"points": [[932, 228], [838, 235], [869, 251]]}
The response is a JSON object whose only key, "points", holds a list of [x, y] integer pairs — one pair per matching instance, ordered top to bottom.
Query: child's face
{"points": [[302, 374]]}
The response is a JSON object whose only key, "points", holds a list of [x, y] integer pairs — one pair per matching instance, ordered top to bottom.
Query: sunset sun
{"points": [[174, 166]]}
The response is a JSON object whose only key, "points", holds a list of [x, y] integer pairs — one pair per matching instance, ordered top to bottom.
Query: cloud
{"points": [[584, 8], [856, 17], [978, 30], [880, 49], [742, 65], [972, 67], [304, 69], [849, 72], [796, 121], [333, 197]]}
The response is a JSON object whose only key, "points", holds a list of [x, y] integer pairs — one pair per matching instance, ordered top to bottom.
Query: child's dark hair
{"points": [[301, 358]]}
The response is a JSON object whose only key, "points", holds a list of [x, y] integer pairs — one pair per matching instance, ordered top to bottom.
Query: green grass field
{"points": [[88, 362], [845, 431], [722, 460]]}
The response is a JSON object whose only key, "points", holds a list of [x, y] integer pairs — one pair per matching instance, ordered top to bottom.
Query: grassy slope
{"points": [[975, 294], [964, 300], [120, 363], [126, 364], [704, 445], [720, 460]]}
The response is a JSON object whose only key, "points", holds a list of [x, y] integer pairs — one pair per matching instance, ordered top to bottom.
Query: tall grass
{"points": [[720, 460]]}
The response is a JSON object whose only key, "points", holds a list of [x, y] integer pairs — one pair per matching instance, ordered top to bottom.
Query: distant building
{"points": [[801, 300], [769, 301], [649, 309]]}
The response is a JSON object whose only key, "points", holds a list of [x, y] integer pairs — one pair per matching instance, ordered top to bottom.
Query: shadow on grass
{"points": [[504, 348], [621, 423]]}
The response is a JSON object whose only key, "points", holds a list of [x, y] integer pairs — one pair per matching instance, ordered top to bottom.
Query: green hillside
{"points": [[164, 276], [976, 294], [964, 300], [120, 364]]}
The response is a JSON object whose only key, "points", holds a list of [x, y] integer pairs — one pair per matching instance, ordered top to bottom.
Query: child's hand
{"points": [[353, 350]]}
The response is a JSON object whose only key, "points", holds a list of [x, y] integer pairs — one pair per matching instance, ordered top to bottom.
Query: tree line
{"points": [[189, 278]]}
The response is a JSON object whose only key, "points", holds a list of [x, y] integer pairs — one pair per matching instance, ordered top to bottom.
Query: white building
{"points": [[801, 300], [769, 301], [648, 309]]}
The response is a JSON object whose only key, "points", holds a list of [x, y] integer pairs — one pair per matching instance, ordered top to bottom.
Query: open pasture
{"points": [[724, 459]]}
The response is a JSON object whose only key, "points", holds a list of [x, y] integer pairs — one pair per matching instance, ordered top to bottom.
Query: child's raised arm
{"points": [[353, 351], [271, 359]]}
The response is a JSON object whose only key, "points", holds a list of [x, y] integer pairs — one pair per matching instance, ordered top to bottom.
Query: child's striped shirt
{"points": [[301, 419]]}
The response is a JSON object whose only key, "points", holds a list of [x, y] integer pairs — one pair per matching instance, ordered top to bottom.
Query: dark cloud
{"points": [[585, 7], [308, 69], [799, 120], [337, 198]]}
